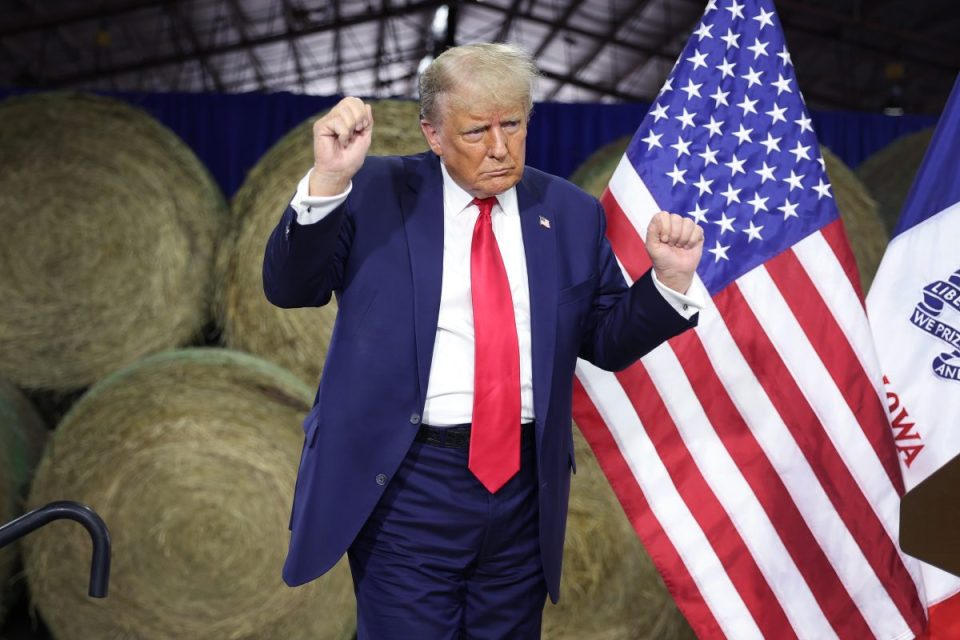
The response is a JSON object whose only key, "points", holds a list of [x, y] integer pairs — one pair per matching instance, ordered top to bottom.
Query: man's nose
{"points": [[496, 143]]}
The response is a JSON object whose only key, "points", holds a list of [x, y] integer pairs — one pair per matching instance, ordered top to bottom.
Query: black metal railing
{"points": [[93, 523]]}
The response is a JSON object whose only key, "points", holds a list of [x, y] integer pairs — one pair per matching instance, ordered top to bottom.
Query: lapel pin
{"points": [[544, 222]]}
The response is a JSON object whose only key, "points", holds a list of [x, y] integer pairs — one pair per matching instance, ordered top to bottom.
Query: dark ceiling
{"points": [[849, 54]]}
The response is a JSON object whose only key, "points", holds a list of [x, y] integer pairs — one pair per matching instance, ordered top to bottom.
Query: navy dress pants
{"points": [[441, 558]]}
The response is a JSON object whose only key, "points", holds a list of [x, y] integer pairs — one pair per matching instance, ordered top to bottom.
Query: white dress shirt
{"points": [[450, 388]]}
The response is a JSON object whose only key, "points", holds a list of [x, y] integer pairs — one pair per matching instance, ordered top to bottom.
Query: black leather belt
{"points": [[457, 436]]}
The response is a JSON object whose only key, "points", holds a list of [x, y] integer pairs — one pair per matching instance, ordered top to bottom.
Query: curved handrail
{"points": [[65, 509]]}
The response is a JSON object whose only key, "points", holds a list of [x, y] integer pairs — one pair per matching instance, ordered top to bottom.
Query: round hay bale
{"points": [[889, 173], [108, 227], [864, 228], [865, 231], [294, 338], [22, 434], [190, 457], [610, 588]]}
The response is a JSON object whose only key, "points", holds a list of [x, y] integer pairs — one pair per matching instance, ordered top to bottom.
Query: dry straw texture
{"points": [[889, 173], [858, 210], [107, 228], [865, 229], [294, 338], [22, 434], [190, 457], [610, 588]]}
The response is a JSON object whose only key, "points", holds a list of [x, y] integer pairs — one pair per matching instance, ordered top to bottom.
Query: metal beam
{"points": [[635, 9], [78, 12], [240, 19], [183, 24], [559, 25], [504, 30], [580, 31], [381, 44], [294, 49], [949, 58], [167, 59], [361, 64], [603, 90]]}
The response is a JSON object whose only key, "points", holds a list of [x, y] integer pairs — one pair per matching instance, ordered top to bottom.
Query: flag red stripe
{"points": [[836, 237], [626, 242], [834, 350], [831, 471], [664, 555], [812, 563], [740, 566]]}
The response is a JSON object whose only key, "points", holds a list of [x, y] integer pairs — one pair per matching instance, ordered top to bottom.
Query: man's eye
{"points": [[512, 124], [474, 134]]}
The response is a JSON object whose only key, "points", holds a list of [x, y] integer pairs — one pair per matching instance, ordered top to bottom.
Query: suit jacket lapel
{"points": [[422, 205], [540, 247]]}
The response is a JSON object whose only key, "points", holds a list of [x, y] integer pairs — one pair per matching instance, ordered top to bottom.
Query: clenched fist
{"points": [[340, 143], [675, 244]]}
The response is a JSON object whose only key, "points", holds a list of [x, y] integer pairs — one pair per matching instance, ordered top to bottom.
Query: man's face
{"points": [[482, 144]]}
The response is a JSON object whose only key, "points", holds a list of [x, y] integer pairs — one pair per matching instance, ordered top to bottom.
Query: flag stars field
{"points": [[752, 152]]}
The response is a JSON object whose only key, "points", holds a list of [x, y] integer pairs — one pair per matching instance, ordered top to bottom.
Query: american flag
{"points": [[753, 455]]}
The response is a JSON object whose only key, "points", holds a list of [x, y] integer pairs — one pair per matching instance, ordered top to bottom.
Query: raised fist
{"points": [[341, 139]]}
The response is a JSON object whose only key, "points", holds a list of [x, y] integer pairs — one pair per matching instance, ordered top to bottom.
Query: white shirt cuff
{"points": [[311, 209], [686, 305]]}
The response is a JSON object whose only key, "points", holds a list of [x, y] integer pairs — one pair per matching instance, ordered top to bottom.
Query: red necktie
{"points": [[495, 434]]}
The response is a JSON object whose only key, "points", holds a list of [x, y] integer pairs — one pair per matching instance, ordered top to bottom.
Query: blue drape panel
{"points": [[230, 132]]}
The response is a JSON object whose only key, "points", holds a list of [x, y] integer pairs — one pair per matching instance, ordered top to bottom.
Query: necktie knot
{"points": [[485, 204]]}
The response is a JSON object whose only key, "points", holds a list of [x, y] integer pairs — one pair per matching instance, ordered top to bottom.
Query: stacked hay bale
{"points": [[888, 174], [108, 228], [865, 229], [868, 237], [296, 339], [22, 434], [190, 458], [610, 587]]}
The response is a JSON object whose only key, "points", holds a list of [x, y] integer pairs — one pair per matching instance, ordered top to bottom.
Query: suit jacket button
{"points": [[415, 418], [381, 479]]}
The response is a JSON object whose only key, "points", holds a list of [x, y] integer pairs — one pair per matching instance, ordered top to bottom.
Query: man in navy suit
{"points": [[439, 451]]}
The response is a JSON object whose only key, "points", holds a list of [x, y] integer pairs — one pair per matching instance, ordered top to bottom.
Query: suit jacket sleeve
{"points": [[303, 264], [623, 324]]}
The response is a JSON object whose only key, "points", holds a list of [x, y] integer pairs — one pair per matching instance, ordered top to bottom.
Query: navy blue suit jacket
{"points": [[381, 253]]}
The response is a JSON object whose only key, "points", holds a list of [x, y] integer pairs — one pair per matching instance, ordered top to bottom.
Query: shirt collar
{"points": [[457, 200]]}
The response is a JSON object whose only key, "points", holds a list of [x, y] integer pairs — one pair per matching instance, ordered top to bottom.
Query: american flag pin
{"points": [[544, 222]]}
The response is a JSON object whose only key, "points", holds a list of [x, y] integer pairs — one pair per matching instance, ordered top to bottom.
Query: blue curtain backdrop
{"points": [[230, 132]]}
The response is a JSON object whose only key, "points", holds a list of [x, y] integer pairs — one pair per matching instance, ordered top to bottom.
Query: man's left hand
{"points": [[675, 245]]}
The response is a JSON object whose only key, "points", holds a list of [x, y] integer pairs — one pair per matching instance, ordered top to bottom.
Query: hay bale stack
{"points": [[888, 174], [860, 217], [107, 228], [868, 237], [296, 339], [22, 434], [190, 457], [610, 588]]}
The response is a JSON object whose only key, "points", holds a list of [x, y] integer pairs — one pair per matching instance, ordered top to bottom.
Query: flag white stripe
{"points": [[632, 195], [837, 292], [844, 432], [773, 436], [738, 500], [666, 504]]}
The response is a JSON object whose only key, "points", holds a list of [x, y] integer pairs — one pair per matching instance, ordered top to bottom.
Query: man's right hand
{"points": [[340, 143]]}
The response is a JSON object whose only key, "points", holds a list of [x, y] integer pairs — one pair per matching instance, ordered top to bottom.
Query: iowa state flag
{"points": [[914, 311]]}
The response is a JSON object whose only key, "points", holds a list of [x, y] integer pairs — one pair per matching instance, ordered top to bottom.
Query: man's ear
{"points": [[432, 136]]}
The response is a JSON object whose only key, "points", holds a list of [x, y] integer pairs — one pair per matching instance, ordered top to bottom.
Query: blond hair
{"points": [[506, 73]]}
